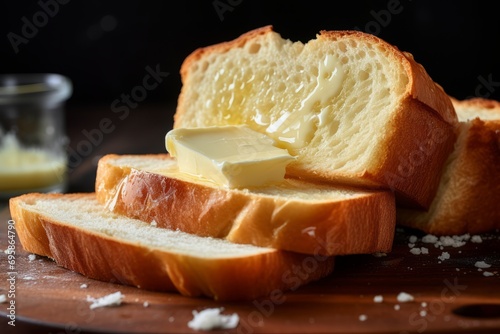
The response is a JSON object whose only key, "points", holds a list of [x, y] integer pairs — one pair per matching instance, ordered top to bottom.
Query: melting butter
{"points": [[295, 129], [231, 156]]}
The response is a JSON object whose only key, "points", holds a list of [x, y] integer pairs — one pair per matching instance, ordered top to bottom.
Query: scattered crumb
{"points": [[154, 223], [413, 239], [430, 239], [476, 239], [447, 241], [411, 245], [415, 251], [418, 251], [379, 254], [444, 256], [31, 257], [482, 265], [457, 269], [488, 274], [84, 286], [404, 297], [3, 299], [112, 299], [378, 299], [145, 304], [423, 304], [397, 307], [423, 313], [362, 317], [211, 318], [171, 319]]}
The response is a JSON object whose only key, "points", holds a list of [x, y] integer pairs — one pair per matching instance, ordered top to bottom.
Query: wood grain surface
{"points": [[450, 296]]}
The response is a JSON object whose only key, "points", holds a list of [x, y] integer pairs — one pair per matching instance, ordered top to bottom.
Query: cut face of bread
{"points": [[350, 107], [469, 191], [293, 215], [81, 235]]}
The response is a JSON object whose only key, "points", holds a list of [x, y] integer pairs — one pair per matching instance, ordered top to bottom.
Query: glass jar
{"points": [[32, 133]]}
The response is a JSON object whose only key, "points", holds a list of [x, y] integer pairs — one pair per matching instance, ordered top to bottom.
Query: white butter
{"points": [[232, 156]]}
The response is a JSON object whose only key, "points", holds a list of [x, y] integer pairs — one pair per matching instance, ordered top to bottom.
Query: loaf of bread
{"points": [[351, 107], [468, 197], [293, 215], [81, 235]]}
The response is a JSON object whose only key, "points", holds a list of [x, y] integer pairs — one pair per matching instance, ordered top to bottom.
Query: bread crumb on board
{"points": [[444, 256], [31, 257], [482, 264], [404, 297], [3, 299], [113, 299], [378, 299], [362, 317], [211, 318]]}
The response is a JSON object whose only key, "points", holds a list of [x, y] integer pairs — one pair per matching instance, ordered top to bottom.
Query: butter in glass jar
{"points": [[32, 133]]}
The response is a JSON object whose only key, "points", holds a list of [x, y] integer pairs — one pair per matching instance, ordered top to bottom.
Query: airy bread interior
{"points": [[259, 82]]}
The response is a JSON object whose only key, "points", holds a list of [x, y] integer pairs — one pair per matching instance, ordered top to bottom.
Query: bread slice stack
{"points": [[368, 129], [469, 192]]}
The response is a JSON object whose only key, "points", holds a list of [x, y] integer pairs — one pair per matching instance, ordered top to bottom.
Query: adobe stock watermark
{"points": [[223, 6], [382, 18], [31, 26], [486, 86], [121, 108], [11, 272], [435, 308]]}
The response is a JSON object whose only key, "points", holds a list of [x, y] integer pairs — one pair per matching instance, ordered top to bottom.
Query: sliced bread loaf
{"points": [[352, 108], [469, 193], [293, 215], [81, 235]]}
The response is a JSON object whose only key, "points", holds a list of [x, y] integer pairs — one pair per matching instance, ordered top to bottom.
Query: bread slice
{"points": [[351, 107], [469, 193], [293, 215], [81, 235]]}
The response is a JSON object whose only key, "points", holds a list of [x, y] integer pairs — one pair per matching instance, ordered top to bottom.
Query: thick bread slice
{"points": [[369, 115], [469, 193], [292, 215], [81, 235]]}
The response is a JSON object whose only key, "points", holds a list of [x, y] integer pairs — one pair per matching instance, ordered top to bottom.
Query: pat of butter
{"points": [[232, 156]]}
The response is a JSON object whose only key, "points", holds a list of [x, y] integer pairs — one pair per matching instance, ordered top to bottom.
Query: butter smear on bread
{"points": [[231, 156]]}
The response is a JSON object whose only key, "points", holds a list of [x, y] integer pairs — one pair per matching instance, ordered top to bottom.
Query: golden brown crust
{"points": [[425, 102], [470, 202], [363, 224], [110, 259]]}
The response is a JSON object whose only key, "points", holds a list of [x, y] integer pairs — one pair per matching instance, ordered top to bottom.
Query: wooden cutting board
{"points": [[450, 296]]}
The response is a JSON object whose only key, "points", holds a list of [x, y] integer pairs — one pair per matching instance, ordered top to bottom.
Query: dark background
{"points": [[104, 47]]}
